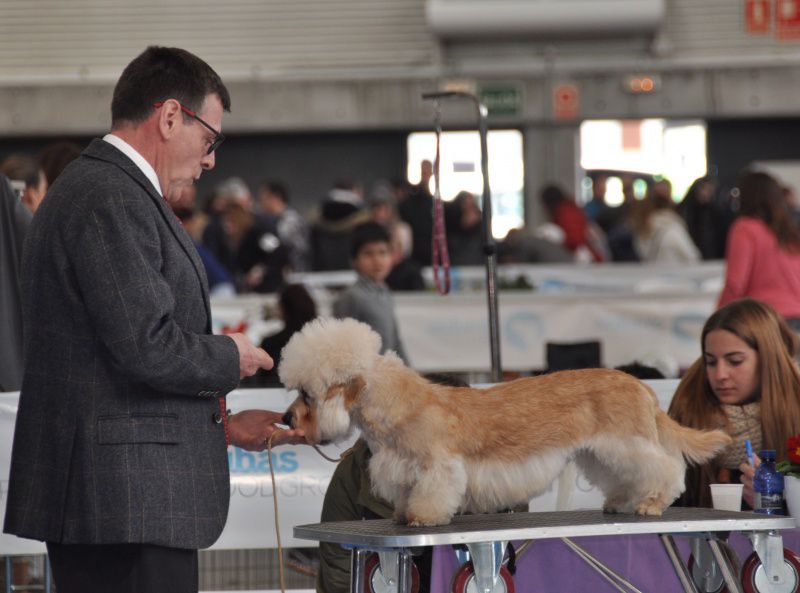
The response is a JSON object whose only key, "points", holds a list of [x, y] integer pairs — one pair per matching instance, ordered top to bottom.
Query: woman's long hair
{"points": [[761, 196], [694, 403]]}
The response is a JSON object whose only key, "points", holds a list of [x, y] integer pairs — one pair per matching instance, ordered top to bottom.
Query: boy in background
{"points": [[370, 299]]}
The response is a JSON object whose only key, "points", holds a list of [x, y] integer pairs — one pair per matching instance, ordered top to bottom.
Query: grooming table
{"points": [[486, 537]]}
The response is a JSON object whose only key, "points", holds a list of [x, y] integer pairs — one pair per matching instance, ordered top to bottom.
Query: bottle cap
{"points": [[767, 454]]}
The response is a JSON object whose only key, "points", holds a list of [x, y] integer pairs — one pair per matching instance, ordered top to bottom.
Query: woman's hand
{"points": [[250, 430], [748, 472]]}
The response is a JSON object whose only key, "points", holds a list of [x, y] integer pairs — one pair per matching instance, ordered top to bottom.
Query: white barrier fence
{"points": [[640, 278], [452, 333], [301, 475]]}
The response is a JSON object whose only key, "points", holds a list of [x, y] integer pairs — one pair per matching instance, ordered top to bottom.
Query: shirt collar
{"points": [[138, 160], [371, 284]]}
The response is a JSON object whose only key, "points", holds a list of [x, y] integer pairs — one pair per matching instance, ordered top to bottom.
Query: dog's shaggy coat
{"points": [[439, 450]]}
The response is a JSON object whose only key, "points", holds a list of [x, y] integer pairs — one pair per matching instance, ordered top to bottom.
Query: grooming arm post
{"points": [[489, 246]]}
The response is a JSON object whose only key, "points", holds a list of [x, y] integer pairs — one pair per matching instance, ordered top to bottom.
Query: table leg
{"points": [[358, 560], [677, 563], [404, 577], [731, 580]]}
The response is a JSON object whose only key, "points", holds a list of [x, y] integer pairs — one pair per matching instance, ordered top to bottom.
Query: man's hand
{"points": [[251, 358], [250, 430]]}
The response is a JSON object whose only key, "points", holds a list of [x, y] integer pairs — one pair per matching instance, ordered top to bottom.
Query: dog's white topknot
{"points": [[326, 352]]}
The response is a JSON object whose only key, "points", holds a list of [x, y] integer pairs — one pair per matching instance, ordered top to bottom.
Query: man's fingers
{"points": [[251, 357], [264, 360]]}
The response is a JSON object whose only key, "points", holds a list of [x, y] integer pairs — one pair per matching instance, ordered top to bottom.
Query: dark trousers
{"points": [[122, 568]]}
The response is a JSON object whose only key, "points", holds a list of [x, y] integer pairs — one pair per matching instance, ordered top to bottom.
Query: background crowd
{"points": [[252, 239], [746, 381]]}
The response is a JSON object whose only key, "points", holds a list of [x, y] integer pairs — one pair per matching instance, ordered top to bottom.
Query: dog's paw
{"points": [[614, 505], [650, 507], [400, 518], [421, 521], [418, 523]]}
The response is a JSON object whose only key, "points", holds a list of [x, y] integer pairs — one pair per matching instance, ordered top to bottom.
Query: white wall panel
{"points": [[503, 17], [700, 28], [94, 39], [362, 64]]}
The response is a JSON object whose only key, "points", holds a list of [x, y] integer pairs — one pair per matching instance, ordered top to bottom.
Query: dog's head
{"points": [[327, 362]]}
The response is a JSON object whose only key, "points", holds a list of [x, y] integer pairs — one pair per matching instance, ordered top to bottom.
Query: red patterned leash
{"points": [[439, 253]]}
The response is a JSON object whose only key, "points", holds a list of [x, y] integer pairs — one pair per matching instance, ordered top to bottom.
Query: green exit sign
{"points": [[502, 99]]}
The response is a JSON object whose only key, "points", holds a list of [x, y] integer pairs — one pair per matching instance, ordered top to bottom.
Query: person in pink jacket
{"points": [[763, 249]]}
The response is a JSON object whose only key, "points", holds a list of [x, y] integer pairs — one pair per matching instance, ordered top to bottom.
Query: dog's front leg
{"points": [[389, 474], [437, 492], [401, 505]]}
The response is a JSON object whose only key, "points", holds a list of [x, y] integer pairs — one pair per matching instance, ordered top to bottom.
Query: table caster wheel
{"points": [[754, 578], [464, 581], [374, 583], [715, 584]]}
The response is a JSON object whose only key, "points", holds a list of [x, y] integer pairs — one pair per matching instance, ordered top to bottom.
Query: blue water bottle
{"points": [[768, 486]]}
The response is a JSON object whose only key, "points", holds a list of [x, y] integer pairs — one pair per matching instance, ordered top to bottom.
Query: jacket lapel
{"points": [[102, 150]]}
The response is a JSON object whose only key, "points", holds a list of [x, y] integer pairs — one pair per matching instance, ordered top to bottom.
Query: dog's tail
{"points": [[697, 446]]}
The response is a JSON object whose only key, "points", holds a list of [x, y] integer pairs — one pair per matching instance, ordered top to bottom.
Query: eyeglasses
{"points": [[219, 137]]}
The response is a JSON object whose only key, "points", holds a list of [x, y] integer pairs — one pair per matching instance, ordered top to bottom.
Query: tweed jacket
{"points": [[14, 220], [117, 437]]}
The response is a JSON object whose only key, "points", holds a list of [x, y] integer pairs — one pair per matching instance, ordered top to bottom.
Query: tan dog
{"points": [[439, 450]]}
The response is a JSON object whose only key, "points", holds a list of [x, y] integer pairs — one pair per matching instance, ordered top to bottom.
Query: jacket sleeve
{"points": [[117, 249], [339, 505]]}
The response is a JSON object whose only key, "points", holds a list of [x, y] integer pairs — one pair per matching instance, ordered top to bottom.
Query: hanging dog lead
{"points": [[440, 255]]}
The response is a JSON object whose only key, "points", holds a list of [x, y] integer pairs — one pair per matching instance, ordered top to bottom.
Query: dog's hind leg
{"points": [[666, 474], [601, 475], [635, 477], [661, 482], [437, 492]]}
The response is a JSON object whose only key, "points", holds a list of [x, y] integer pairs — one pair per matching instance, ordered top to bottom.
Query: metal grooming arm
{"points": [[489, 246]]}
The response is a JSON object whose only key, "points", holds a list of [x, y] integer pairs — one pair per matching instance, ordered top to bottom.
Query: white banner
{"points": [[452, 333], [301, 476]]}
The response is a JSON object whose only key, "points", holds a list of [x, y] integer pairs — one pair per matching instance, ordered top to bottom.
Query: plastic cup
{"points": [[727, 497]]}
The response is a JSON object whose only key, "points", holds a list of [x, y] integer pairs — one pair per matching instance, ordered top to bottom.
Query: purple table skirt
{"points": [[549, 566]]}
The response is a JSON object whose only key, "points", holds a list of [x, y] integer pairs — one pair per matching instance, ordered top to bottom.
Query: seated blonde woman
{"points": [[659, 233], [747, 383]]}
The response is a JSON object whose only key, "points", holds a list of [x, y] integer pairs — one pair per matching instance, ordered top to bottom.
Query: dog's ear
{"points": [[353, 389], [349, 391]]}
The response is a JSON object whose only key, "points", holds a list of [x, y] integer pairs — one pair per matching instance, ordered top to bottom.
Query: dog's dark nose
{"points": [[287, 419]]}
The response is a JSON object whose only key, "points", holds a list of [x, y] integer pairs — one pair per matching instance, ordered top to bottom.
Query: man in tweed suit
{"points": [[119, 460]]}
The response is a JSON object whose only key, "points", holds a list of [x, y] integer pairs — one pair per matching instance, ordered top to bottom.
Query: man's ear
{"points": [[167, 118], [353, 389]]}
